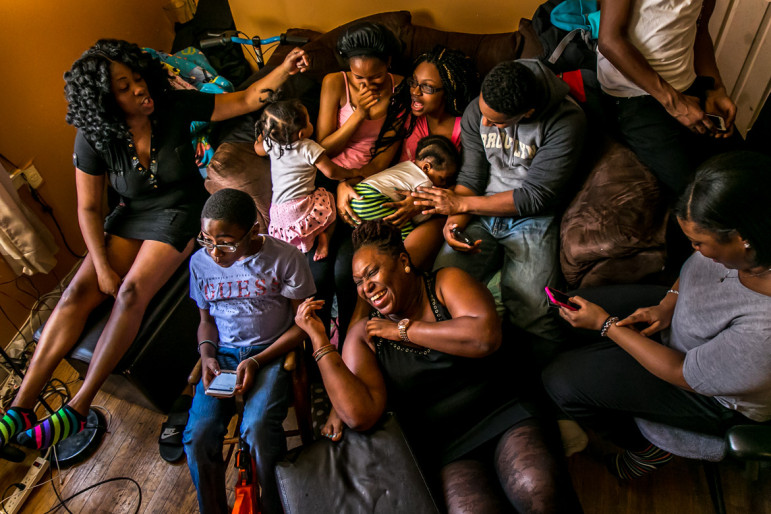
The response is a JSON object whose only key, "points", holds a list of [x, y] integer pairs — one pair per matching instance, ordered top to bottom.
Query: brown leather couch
{"points": [[612, 232]]}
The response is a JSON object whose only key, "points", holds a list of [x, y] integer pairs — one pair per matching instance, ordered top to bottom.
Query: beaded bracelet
{"points": [[675, 291], [606, 326], [206, 341], [321, 352]]}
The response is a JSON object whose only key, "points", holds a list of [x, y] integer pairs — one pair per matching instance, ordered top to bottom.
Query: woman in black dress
{"points": [[133, 130], [428, 351]]}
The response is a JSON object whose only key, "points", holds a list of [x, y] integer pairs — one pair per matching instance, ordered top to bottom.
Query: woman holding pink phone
{"points": [[711, 369]]}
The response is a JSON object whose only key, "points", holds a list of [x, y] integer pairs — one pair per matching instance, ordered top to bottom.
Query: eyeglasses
{"points": [[426, 89], [229, 248]]}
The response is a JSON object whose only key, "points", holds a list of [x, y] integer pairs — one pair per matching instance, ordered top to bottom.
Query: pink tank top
{"points": [[410, 144], [357, 151]]}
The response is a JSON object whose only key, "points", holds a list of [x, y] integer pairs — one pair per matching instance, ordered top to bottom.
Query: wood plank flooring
{"points": [[130, 449]]}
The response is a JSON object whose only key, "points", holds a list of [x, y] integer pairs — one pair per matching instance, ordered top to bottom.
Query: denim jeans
{"points": [[525, 250], [265, 407]]}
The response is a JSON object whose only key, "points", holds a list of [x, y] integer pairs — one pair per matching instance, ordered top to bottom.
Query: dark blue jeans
{"points": [[265, 408]]}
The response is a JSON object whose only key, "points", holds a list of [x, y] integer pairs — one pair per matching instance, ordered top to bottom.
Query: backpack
{"points": [[567, 50]]}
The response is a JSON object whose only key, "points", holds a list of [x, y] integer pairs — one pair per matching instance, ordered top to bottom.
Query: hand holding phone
{"points": [[718, 121], [461, 236], [559, 299], [223, 385]]}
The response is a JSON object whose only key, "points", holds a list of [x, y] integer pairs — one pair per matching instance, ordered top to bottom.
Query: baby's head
{"points": [[282, 122], [438, 158], [229, 226]]}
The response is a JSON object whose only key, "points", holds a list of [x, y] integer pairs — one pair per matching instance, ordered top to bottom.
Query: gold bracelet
{"points": [[322, 348], [321, 352]]}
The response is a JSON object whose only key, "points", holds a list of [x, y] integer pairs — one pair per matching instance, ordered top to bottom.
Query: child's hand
{"points": [[296, 61], [405, 210], [307, 319], [210, 368], [245, 373]]}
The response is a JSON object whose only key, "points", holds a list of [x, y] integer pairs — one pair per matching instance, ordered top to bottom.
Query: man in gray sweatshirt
{"points": [[522, 139]]}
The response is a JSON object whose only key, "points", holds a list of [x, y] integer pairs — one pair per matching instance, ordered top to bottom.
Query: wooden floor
{"points": [[130, 449]]}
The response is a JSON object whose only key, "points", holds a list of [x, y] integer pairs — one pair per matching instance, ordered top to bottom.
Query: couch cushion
{"points": [[322, 53], [236, 166], [618, 218]]}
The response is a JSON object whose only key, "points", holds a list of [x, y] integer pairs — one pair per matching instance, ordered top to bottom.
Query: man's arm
{"points": [[615, 45], [718, 101], [548, 174]]}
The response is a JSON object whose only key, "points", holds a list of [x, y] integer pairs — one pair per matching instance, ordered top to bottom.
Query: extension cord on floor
{"points": [[35, 473]]}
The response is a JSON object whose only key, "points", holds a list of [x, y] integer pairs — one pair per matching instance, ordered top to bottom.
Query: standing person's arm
{"points": [[615, 45], [718, 101], [90, 191]]}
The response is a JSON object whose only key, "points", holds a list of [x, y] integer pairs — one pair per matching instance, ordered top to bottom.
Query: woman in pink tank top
{"points": [[430, 102]]}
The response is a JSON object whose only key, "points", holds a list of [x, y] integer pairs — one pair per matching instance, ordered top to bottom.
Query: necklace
{"points": [[753, 275]]}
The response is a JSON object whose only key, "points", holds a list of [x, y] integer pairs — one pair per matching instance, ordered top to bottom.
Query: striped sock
{"points": [[15, 420], [60, 425], [629, 464]]}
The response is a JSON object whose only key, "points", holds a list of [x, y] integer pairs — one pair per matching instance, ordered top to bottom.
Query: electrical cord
{"points": [[50, 211], [6, 496], [62, 502]]}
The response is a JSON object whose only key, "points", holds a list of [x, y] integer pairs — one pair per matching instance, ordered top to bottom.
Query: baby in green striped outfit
{"points": [[436, 164]]}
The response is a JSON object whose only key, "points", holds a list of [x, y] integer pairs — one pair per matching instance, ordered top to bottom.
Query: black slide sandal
{"points": [[170, 440]]}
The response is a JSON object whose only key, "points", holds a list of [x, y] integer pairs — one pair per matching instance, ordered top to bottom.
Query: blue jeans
{"points": [[525, 250], [265, 407]]}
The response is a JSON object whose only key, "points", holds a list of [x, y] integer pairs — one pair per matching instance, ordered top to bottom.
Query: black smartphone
{"points": [[718, 121], [461, 236], [559, 299]]}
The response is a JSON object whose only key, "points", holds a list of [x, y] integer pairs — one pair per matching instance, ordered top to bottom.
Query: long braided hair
{"points": [[459, 80]]}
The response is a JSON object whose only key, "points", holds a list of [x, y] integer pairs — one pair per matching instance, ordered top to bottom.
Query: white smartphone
{"points": [[223, 385]]}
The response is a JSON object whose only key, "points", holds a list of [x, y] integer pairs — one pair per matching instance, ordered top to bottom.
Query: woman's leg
{"points": [[424, 242], [154, 264], [152, 267], [66, 322], [533, 478], [471, 487]]}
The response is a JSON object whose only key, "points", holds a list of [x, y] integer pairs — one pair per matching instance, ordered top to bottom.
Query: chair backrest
{"points": [[683, 443]]}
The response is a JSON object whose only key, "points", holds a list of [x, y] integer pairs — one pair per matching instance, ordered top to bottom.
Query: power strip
{"points": [[16, 500]]}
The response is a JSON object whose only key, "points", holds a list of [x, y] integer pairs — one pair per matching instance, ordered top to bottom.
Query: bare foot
{"points": [[322, 249], [333, 428]]}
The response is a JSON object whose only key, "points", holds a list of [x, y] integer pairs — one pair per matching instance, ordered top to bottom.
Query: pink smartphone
{"points": [[559, 299]]}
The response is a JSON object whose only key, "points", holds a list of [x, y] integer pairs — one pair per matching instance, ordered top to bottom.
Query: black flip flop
{"points": [[170, 440]]}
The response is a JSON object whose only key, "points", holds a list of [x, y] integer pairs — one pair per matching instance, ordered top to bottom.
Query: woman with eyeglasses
{"points": [[430, 102], [133, 132]]}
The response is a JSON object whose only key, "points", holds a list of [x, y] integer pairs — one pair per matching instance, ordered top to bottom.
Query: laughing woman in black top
{"points": [[134, 132]]}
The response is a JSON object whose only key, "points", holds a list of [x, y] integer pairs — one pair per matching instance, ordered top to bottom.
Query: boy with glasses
{"points": [[247, 286]]}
